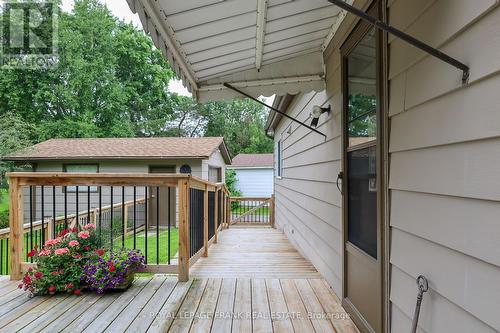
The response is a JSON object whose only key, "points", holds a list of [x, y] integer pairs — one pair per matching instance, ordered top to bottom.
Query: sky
{"points": [[121, 10]]}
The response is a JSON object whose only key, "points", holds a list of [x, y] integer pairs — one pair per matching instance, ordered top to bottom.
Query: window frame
{"points": [[81, 189]]}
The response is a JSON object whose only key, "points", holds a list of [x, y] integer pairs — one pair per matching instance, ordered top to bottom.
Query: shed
{"points": [[254, 173]]}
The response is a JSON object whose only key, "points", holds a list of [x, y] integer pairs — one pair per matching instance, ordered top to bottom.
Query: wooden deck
{"points": [[252, 281]]}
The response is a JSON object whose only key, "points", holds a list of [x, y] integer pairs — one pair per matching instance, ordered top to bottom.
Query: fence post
{"points": [[183, 185], [229, 211], [272, 211], [216, 212], [223, 213], [205, 222], [16, 228]]}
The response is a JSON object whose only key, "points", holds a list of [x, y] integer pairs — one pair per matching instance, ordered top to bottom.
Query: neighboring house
{"points": [[205, 158], [254, 174]]}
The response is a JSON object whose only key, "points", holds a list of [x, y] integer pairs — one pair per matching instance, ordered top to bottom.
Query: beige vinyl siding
{"points": [[444, 158], [307, 200]]}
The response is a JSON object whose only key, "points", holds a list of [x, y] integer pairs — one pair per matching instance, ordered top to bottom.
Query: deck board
{"points": [[253, 281]]}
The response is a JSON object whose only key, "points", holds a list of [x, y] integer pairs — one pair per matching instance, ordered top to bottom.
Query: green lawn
{"points": [[4, 208], [263, 211], [129, 244], [163, 248]]}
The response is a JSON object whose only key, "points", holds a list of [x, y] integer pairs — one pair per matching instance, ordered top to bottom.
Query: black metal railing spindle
{"points": [[65, 189], [77, 200], [42, 202], [88, 204], [54, 213], [100, 215], [135, 217], [111, 219], [31, 220], [146, 222], [124, 223], [157, 225], [168, 225]]}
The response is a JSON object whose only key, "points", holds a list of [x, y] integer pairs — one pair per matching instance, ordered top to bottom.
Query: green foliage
{"points": [[110, 81], [362, 115], [242, 123], [15, 134], [231, 181]]}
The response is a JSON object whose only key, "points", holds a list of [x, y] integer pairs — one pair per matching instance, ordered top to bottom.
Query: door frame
{"points": [[377, 8]]}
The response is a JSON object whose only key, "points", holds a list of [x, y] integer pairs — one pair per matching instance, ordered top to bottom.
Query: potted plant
{"points": [[73, 261], [59, 263], [113, 270]]}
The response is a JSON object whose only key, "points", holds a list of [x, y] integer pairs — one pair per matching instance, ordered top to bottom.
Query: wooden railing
{"points": [[197, 204], [252, 210], [50, 227]]}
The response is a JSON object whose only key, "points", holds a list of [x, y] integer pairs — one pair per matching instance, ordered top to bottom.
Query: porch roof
{"points": [[265, 47]]}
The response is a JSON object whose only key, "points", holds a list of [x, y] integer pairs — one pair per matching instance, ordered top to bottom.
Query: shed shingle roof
{"points": [[122, 148], [253, 160]]}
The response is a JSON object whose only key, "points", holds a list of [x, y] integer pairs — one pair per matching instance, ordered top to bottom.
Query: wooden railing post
{"points": [[183, 186], [223, 206], [272, 211], [229, 212], [216, 213], [205, 222], [16, 228]]}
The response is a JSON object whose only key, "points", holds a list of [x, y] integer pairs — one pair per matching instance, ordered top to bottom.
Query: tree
{"points": [[109, 79], [242, 123], [15, 134]]}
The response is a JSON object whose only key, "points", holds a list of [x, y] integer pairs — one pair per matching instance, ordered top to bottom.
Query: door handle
{"points": [[340, 176]]}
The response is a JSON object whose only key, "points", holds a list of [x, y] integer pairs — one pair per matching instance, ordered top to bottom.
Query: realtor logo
{"points": [[28, 34]]}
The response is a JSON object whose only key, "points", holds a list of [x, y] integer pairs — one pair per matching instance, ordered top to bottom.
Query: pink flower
{"points": [[89, 226], [83, 234], [51, 242], [73, 243], [61, 251], [32, 253], [44, 253], [38, 275], [52, 289], [77, 292]]}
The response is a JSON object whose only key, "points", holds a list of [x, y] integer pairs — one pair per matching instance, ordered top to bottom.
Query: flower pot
{"points": [[129, 279]]}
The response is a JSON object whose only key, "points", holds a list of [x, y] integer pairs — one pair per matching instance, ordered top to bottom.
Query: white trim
{"points": [[334, 28], [261, 31], [169, 41], [258, 83], [249, 167]]}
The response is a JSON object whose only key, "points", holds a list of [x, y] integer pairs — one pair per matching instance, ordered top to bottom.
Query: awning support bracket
{"points": [[404, 36], [227, 85]]}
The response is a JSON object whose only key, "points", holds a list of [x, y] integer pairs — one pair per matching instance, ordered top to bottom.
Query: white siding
{"points": [[444, 157], [216, 160], [255, 182], [308, 204]]}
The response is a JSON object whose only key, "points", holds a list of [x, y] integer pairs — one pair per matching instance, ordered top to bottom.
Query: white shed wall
{"points": [[255, 182]]}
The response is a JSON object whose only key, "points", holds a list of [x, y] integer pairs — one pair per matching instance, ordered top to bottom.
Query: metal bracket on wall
{"points": [[404, 36], [227, 85]]}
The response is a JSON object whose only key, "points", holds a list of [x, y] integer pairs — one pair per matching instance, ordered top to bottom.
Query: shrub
{"points": [[4, 219]]}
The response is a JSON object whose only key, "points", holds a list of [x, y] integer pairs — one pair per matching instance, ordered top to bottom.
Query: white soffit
{"points": [[263, 47]]}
